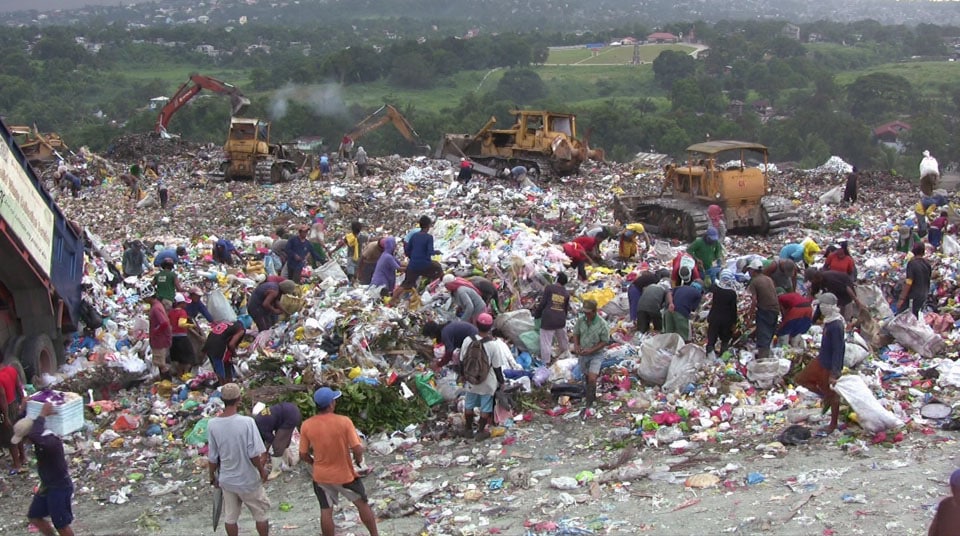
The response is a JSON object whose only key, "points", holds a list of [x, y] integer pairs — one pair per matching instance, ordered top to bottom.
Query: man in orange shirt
{"points": [[327, 441]]}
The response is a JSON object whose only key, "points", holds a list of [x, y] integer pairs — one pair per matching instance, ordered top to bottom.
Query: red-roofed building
{"points": [[661, 37], [890, 133]]}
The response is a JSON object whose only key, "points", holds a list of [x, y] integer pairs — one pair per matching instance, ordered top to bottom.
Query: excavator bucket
{"points": [[238, 103]]}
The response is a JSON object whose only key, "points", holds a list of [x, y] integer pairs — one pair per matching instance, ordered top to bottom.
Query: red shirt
{"points": [[588, 243], [575, 251], [835, 263], [174, 316], [160, 334], [8, 380]]}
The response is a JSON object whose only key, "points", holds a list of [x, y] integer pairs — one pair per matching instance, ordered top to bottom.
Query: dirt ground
{"points": [[817, 488]]}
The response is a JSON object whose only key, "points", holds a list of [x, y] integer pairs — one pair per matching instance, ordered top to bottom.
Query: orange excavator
{"points": [[193, 86], [383, 115]]}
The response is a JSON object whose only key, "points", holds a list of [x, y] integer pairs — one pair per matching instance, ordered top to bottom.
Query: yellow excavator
{"points": [[383, 115]]}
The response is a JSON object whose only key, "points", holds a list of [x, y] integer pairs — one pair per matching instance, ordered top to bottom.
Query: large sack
{"points": [[929, 166], [833, 197], [950, 246], [873, 298], [618, 307], [220, 308], [513, 324], [907, 329], [656, 353], [854, 354], [683, 368], [764, 373], [872, 416]]}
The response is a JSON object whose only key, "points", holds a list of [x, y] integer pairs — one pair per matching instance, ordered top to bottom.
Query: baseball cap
{"points": [[712, 234], [755, 264], [684, 273], [448, 278], [195, 290], [180, 298], [827, 298], [589, 306], [484, 319], [230, 391], [324, 397], [22, 428]]}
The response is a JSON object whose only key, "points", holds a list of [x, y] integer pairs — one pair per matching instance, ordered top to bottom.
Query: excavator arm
{"points": [[193, 86], [391, 115]]}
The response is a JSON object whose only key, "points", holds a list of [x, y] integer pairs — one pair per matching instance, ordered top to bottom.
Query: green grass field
{"points": [[609, 55], [930, 78]]}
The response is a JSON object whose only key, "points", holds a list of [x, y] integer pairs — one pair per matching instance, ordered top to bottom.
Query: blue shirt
{"points": [[419, 249], [297, 250], [794, 252], [166, 254], [686, 299], [196, 307], [453, 334], [832, 348]]}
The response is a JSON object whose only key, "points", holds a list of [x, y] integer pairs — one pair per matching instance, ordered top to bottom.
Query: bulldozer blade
{"points": [[238, 103]]}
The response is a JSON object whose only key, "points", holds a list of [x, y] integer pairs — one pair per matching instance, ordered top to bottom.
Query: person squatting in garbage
{"points": [[419, 249], [916, 286], [465, 296], [264, 303], [764, 307], [552, 310], [723, 316], [451, 335], [591, 335], [221, 343], [820, 374], [481, 395], [276, 425], [329, 443], [235, 464], [53, 498], [947, 519]]}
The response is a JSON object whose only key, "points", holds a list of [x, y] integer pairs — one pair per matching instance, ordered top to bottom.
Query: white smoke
{"points": [[324, 100]]}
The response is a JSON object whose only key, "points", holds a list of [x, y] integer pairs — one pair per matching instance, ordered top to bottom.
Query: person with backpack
{"points": [[482, 358]]}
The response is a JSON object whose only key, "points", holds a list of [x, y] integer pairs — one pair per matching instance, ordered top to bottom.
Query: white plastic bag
{"points": [[929, 166], [833, 197], [950, 246], [663, 251], [332, 271], [872, 297], [618, 307], [220, 309], [515, 323], [907, 329], [656, 353], [854, 354], [683, 368], [764, 373], [949, 373], [872, 416]]}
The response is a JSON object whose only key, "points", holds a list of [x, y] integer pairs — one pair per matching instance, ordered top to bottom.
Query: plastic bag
{"points": [[929, 166], [833, 197], [950, 246], [663, 251], [331, 271], [873, 298], [290, 304], [618, 307], [220, 308], [513, 324], [907, 329], [531, 341], [854, 354], [655, 355], [683, 367], [764, 373], [447, 386], [426, 389], [872, 416], [198, 436]]}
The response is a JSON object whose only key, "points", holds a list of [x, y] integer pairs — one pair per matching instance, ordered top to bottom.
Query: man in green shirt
{"points": [[708, 252], [167, 284], [591, 335]]}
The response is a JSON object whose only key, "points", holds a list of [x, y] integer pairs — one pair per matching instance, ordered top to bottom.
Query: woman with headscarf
{"points": [[715, 213], [385, 272], [722, 317], [821, 373]]}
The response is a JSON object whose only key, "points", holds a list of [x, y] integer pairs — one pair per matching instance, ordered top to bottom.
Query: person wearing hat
{"points": [[466, 172], [907, 238], [418, 248], [297, 249], [707, 251], [684, 269], [916, 286], [465, 296], [682, 302], [264, 303], [195, 305], [764, 307], [552, 310], [723, 315], [161, 334], [591, 334], [451, 335], [221, 343], [182, 355], [820, 374], [482, 395], [276, 425], [329, 443], [235, 463], [53, 498], [947, 518]]}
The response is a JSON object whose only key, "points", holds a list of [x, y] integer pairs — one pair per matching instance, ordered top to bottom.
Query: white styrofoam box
{"points": [[67, 417]]}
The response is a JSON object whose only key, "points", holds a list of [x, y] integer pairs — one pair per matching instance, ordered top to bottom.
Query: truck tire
{"points": [[11, 353], [38, 356]]}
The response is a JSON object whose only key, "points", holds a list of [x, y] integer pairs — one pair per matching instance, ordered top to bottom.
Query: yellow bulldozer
{"points": [[544, 142], [36, 146], [251, 156], [728, 173]]}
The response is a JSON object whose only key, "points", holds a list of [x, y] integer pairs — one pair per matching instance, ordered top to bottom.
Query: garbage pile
{"points": [[661, 393]]}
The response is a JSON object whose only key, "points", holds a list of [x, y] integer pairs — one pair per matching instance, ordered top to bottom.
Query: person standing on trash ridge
{"points": [[362, 161], [324, 165], [466, 172], [850, 188], [163, 194], [717, 221], [354, 241], [298, 248], [224, 251], [420, 251], [708, 252], [840, 260], [134, 261], [385, 272], [783, 272], [837, 283], [916, 286], [465, 296], [682, 302], [264, 303], [651, 304], [195, 305], [764, 307], [552, 310], [797, 313], [723, 315], [161, 334], [451, 335], [591, 335], [221, 344], [182, 356], [820, 375], [481, 395], [11, 402], [276, 425], [329, 443], [235, 464], [53, 498], [947, 518]]}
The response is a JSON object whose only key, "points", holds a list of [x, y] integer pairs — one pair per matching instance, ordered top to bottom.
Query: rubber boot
{"points": [[591, 394], [482, 432], [276, 467]]}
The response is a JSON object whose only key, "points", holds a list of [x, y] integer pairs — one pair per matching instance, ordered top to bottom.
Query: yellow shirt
{"points": [[354, 244], [810, 248]]}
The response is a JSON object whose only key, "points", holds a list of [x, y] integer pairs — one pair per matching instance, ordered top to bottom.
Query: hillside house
{"points": [[790, 31], [662, 37], [891, 134]]}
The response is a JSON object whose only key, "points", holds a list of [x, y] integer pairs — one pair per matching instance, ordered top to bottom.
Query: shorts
{"points": [[431, 272], [160, 356], [591, 363], [473, 400], [281, 441], [327, 493], [256, 501], [54, 503]]}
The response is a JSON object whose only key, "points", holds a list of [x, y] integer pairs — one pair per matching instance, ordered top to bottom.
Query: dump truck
{"points": [[544, 142], [250, 156], [728, 173], [40, 278]]}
